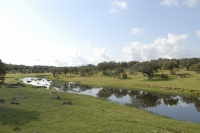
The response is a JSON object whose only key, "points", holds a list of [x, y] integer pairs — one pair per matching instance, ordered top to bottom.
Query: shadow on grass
{"points": [[183, 75], [71, 76], [156, 78], [159, 79], [17, 117]]}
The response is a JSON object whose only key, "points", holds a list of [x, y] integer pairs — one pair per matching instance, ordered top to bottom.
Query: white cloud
{"points": [[169, 2], [190, 3], [120, 4], [116, 5], [138, 31], [198, 33], [88, 45], [170, 47], [102, 54], [182, 104]]}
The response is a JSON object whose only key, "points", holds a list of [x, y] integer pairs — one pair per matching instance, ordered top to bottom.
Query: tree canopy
{"points": [[187, 62], [171, 64], [145, 67], [3, 70]]}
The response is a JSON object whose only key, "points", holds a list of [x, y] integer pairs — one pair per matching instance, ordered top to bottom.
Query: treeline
{"points": [[114, 69]]}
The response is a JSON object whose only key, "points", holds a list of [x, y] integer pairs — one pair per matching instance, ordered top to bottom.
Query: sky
{"points": [[81, 32]]}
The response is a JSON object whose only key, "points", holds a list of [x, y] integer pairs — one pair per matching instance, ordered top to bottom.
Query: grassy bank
{"points": [[184, 82], [39, 111]]}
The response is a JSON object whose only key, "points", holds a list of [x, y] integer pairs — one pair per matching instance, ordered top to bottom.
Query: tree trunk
{"points": [[171, 70], [149, 76]]}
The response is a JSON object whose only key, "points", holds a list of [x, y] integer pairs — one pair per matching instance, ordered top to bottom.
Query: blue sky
{"points": [[79, 32]]}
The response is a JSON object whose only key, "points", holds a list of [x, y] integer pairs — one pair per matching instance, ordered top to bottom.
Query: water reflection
{"points": [[146, 99], [176, 107]]}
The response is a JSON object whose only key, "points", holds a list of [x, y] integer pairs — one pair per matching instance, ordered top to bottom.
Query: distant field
{"points": [[184, 82], [39, 111]]}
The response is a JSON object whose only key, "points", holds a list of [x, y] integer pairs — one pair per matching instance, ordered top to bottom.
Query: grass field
{"points": [[184, 82], [39, 111]]}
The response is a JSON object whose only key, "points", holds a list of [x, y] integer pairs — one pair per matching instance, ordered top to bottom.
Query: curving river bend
{"points": [[173, 106]]}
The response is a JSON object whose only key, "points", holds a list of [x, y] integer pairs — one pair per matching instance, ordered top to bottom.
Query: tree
{"points": [[161, 61], [131, 63], [187, 63], [124, 64], [171, 64], [146, 68], [197, 68], [3, 70], [59, 70], [65, 70], [73, 70], [53, 71], [118, 71], [124, 75]]}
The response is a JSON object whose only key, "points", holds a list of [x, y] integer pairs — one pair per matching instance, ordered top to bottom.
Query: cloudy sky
{"points": [[79, 32]]}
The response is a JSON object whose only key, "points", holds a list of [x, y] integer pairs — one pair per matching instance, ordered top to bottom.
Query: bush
{"points": [[197, 68], [163, 76]]}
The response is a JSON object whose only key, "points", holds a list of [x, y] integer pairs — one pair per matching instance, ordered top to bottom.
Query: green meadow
{"points": [[183, 82], [39, 111]]}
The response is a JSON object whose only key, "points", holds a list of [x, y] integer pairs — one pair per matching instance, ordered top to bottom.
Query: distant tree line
{"points": [[114, 69]]}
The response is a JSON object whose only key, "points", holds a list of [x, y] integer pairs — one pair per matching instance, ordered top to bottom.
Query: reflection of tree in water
{"points": [[72, 86], [85, 87], [105, 93], [119, 93], [133, 93], [146, 99], [170, 100], [189, 100], [197, 104]]}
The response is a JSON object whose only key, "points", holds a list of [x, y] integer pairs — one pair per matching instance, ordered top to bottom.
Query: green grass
{"points": [[174, 84], [38, 111]]}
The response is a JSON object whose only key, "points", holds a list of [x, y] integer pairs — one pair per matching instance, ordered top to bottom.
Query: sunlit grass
{"points": [[174, 84], [38, 111]]}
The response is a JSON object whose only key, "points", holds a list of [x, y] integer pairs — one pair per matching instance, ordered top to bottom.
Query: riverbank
{"points": [[184, 82], [39, 111]]}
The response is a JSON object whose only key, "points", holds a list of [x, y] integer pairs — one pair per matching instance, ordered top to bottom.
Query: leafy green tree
{"points": [[161, 61], [131, 63], [187, 63], [124, 64], [171, 64], [145, 67], [197, 68], [3, 70], [65, 70], [73, 70], [53, 71], [119, 71], [107, 72], [124, 75]]}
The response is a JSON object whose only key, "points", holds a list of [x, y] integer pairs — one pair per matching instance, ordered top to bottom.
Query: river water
{"points": [[173, 106]]}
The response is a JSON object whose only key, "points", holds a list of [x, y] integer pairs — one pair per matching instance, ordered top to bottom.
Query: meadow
{"points": [[183, 82], [38, 110]]}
